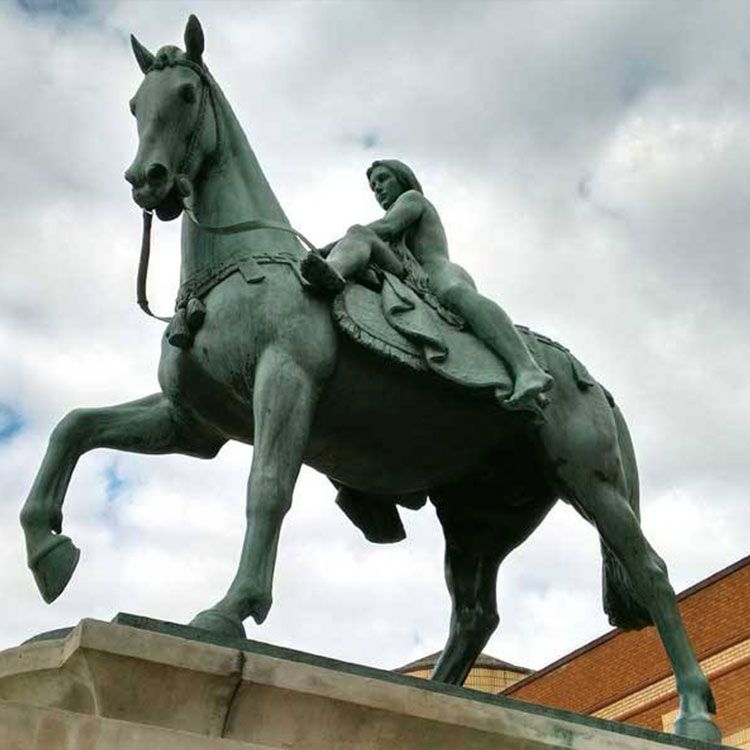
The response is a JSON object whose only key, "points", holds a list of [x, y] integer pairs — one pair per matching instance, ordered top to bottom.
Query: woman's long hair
{"points": [[403, 174]]}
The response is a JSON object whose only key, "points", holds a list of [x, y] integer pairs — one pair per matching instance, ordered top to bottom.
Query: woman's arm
{"points": [[406, 211]]}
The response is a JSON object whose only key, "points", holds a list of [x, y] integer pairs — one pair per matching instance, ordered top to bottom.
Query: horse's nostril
{"points": [[156, 174]]}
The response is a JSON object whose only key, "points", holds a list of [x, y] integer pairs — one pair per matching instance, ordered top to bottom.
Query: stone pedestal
{"points": [[139, 684]]}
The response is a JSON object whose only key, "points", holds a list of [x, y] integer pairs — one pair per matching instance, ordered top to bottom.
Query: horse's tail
{"points": [[620, 604]]}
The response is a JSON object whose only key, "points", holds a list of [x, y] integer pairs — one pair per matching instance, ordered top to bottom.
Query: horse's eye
{"points": [[187, 93], [131, 105]]}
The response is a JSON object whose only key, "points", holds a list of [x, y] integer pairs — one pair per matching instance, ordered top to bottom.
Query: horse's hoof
{"points": [[53, 566], [218, 622], [697, 728]]}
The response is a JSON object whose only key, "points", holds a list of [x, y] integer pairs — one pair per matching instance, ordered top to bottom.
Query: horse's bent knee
{"points": [[71, 427]]}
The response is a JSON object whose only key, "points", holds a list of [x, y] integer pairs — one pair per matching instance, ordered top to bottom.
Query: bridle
{"points": [[183, 184]]}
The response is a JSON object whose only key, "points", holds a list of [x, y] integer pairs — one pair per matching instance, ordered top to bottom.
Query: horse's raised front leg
{"points": [[283, 406], [148, 425]]}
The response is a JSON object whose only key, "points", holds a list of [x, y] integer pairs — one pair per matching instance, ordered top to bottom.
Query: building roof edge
{"points": [[685, 594]]}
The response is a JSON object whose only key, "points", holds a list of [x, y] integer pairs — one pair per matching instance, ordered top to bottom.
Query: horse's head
{"points": [[177, 126]]}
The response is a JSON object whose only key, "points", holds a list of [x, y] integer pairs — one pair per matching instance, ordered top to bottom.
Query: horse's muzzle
{"points": [[166, 202]]}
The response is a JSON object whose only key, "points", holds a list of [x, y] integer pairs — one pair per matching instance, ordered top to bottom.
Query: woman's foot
{"points": [[322, 276], [529, 390]]}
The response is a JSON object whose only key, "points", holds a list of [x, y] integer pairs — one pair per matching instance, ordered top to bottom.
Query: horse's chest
{"points": [[216, 376], [221, 397]]}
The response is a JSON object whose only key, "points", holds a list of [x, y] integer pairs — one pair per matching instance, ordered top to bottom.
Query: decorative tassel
{"points": [[184, 186], [196, 314], [178, 332]]}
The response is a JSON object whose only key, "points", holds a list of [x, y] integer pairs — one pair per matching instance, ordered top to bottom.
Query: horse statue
{"points": [[264, 362]]}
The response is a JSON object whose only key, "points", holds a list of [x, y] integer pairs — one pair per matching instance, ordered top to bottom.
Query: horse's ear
{"points": [[194, 41], [142, 55]]}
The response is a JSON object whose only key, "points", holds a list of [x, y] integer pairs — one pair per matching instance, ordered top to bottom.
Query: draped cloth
{"points": [[396, 323]]}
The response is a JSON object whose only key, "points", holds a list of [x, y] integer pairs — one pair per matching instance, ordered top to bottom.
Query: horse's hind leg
{"points": [[148, 425], [591, 475], [475, 545], [471, 577]]}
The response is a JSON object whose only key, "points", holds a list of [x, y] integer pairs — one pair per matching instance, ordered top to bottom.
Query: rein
{"points": [[184, 187], [249, 226], [239, 228], [141, 297]]}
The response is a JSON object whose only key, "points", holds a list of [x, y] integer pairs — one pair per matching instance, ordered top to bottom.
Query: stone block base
{"points": [[139, 684]]}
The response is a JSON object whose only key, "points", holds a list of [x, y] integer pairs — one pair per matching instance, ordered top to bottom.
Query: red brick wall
{"points": [[716, 614], [732, 693]]}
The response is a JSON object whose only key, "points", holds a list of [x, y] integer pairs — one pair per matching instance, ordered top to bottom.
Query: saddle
{"points": [[403, 324]]}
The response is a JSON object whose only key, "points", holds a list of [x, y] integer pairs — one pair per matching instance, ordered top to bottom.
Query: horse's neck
{"points": [[232, 189]]}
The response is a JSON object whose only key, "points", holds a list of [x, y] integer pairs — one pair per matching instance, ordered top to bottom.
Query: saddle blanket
{"points": [[398, 324]]}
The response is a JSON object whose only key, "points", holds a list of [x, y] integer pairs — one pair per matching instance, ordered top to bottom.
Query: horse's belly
{"points": [[382, 428]]}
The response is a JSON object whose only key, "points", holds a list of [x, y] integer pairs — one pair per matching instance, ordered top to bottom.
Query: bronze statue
{"points": [[393, 404]]}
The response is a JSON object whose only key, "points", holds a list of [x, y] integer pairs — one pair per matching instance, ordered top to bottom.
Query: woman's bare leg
{"points": [[350, 255], [493, 326]]}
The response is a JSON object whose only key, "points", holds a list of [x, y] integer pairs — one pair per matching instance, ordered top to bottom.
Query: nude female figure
{"points": [[412, 220]]}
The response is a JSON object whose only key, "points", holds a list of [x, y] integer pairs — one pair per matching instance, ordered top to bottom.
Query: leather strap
{"points": [[243, 226], [249, 226], [143, 267]]}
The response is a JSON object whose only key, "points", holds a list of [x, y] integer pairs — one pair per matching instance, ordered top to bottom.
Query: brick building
{"points": [[488, 674], [626, 676]]}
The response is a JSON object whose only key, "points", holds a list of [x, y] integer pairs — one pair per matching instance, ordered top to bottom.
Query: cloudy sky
{"points": [[590, 161]]}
